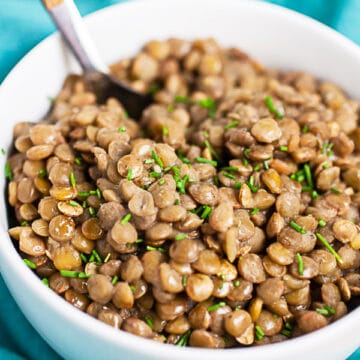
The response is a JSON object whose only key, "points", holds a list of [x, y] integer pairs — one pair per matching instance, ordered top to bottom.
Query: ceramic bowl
{"points": [[275, 36]]}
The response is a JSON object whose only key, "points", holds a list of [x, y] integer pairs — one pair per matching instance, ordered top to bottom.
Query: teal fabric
{"points": [[23, 23]]}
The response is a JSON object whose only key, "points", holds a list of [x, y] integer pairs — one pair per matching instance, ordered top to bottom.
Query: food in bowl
{"points": [[227, 216]]}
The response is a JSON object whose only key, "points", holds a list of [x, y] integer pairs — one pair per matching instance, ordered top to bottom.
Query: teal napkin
{"points": [[23, 23]]}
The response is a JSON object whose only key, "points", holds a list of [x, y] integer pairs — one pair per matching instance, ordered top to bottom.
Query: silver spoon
{"points": [[97, 75]]}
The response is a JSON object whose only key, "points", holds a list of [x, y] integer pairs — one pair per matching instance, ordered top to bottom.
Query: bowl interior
{"points": [[276, 37]]}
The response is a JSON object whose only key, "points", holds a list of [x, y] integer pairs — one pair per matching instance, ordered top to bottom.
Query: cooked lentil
{"points": [[227, 216]]}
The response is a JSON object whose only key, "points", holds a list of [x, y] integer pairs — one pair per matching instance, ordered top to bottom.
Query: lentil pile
{"points": [[228, 215]]}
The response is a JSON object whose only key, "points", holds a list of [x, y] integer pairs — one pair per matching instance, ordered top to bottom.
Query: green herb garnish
{"points": [[270, 104], [231, 125], [121, 129], [305, 129], [165, 130], [283, 148], [211, 149], [157, 159], [78, 160], [202, 160], [8, 172], [42, 173], [228, 175], [72, 179], [335, 191], [73, 203], [255, 211], [206, 212], [125, 219], [24, 223], [322, 223], [297, 227], [180, 236], [329, 247], [152, 248], [83, 258], [300, 262], [30, 264], [114, 279], [184, 280], [45, 281], [216, 306], [326, 310], [149, 321], [259, 332], [184, 339]]}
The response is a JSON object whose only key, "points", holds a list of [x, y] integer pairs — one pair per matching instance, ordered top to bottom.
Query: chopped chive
{"points": [[182, 99], [270, 104], [210, 105], [170, 108], [231, 125], [121, 129], [305, 129], [165, 130], [283, 148], [326, 148], [211, 149], [3, 151], [246, 152], [157, 158], [183, 158], [78, 160], [202, 160], [149, 161], [245, 161], [266, 164], [326, 165], [257, 167], [8, 172], [42, 173], [154, 174], [129, 175], [228, 175], [308, 175], [72, 179], [216, 181], [161, 182], [181, 184], [237, 185], [251, 185], [306, 188], [335, 191], [92, 192], [83, 193], [98, 193], [314, 194], [177, 201], [74, 203], [84, 204], [92, 211], [255, 211], [206, 213], [126, 219], [24, 223], [322, 223], [297, 227], [180, 236], [329, 247], [152, 248], [97, 256], [83, 258], [92, 258], [300, 262], [29, 263], [69, 273], [83, 275], [222, 277], [114, 279], [184, 280], [45, 281], [237, 283], [221, 285], [132, 288], [216, 306], [326, 310], [274, 316], [149, 321], [288, 326], [259, 332], [285, 332], [184, 339]]}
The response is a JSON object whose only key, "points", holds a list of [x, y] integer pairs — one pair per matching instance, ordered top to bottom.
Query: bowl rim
{"points": [[127, 340]]}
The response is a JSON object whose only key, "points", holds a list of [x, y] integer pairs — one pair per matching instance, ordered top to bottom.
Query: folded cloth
{"points": [[23, 23]]}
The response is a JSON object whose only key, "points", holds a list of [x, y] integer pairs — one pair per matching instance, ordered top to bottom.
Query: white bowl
{"points": [[275, 36]]}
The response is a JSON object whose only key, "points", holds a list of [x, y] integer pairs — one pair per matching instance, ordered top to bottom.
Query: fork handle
{"points": [[69, 22]]}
